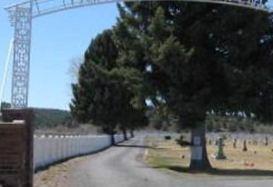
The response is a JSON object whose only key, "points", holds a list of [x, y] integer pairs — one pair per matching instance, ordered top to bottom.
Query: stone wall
{"points": [[16, 148]]}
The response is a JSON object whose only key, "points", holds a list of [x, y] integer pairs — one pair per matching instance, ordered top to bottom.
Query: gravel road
{"points": [[121, 166]]}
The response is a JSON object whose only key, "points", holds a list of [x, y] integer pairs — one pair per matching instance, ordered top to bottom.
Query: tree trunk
{"points": [[132, 133], [124, 134], [113, 142], [199, 157]]}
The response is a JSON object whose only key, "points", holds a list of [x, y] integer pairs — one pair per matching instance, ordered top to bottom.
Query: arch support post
{"points": [[21, 20]]}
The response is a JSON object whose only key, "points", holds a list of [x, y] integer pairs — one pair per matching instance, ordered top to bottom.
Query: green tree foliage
{"points": [[102, 50], [201, 57], [107, 94], [94, 100], [132, 114], [50, 118], [161, 118]]}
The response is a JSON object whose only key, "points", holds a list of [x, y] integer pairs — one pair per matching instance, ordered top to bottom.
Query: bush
{"points": [[168, 137], [182, 142]]}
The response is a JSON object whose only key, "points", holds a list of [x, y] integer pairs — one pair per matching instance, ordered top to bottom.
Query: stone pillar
{"points": [[23, 119]]}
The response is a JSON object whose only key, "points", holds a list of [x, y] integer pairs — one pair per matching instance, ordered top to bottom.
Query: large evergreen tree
{"points": [[198, 58], [106, 94]]}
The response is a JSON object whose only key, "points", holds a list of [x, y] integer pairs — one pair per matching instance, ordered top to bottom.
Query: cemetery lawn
{"points": [[170, 157]]}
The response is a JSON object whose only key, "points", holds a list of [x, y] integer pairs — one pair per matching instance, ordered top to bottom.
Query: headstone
{"points": [[266, 141], [216, 142], [234, 143], [244, 146], [16, 149], [220, 152]]}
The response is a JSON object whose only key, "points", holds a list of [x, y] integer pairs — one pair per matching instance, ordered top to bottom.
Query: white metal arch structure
{"points": [[21, 16]]}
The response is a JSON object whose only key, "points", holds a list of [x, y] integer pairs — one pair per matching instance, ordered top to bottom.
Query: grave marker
{"points": [[266, 141], [234, 143], [244, 146], [220, 153]]}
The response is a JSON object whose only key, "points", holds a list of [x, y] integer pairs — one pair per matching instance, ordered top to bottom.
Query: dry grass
{"points": [[258, 157], [258, 160], [56, 175]]}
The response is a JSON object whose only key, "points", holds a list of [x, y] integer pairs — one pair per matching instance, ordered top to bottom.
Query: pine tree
{"points": [[200, 57], [106, 94]]}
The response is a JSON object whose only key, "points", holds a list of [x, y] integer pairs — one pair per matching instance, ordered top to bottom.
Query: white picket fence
{"points": [[51, 149]]}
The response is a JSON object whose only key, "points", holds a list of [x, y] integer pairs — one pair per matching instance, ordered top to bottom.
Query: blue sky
{"points": [[56, 40]]}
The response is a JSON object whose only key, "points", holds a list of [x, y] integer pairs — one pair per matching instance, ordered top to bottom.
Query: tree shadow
{"points": [[136, 146], [222, 172]]}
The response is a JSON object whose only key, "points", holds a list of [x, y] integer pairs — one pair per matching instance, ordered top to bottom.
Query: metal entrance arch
{"points": [[22, 14]]}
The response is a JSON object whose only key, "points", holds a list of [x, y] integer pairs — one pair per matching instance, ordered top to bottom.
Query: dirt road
{"points": [[121, 166]]}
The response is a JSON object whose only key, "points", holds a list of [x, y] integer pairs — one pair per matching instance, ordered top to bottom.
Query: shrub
{"points": [[168, 137], [182, 142]]}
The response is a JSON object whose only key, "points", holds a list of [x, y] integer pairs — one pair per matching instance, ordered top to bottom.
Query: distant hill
{"points": [[47, 118], [50, 118]]}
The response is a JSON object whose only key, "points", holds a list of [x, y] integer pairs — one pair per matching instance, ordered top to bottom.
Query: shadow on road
{"points": [[136, 146], [223, 172]]}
